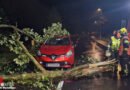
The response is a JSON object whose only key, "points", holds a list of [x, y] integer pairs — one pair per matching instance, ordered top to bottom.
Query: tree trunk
{"points": [[24, 48], [32, 58], [79, 71]]}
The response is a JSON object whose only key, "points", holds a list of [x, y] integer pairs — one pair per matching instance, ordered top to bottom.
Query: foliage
{"points": [[55, 29], [30, 32], [50, 32], [11, 43], [87, 59], [21, 61], [40, 82], [37, 83]]}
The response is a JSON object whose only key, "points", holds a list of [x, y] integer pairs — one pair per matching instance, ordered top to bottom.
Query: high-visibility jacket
{"points": [[115, 43], [123, 48]]}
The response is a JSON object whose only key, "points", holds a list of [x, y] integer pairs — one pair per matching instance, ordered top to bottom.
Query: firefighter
{"points": [[123, 32], [129, 36], [125, 41], [113, 45], [125, 46], [124, 51]]}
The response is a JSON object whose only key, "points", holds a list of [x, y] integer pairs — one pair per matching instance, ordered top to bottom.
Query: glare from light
{"points": [[99, 10]]}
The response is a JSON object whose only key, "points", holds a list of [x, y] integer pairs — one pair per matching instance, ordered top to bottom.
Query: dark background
{"points": [[77, 16]]}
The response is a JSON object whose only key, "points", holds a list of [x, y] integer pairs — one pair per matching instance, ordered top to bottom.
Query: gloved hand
{"points": [[108, 46], [108, 53]]}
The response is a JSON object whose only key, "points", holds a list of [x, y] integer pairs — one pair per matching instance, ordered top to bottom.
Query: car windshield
{"points": [[57, 41]]}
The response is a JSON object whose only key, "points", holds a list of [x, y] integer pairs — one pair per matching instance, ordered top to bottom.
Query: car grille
{"points": [[53, 57]]}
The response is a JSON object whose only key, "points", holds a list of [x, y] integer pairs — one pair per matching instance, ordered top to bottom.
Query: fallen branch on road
{"points": [[88, 69], [80, 71]]}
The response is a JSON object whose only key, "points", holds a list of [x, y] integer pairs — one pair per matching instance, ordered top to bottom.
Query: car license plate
{"points": [[53, 65]]}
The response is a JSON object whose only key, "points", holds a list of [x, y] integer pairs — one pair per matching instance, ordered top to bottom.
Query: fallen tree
{"points": [[88, 69], [79, 71]]}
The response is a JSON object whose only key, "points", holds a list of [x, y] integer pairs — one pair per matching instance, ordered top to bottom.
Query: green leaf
{"points": [[26, 38], [11, 41]]}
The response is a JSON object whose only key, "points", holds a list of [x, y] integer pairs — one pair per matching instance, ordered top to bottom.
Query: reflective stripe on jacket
{"points": [[115, 43], [122, 48]]}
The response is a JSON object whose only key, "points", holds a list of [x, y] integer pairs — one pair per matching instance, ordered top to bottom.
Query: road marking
{"points": [[60, 85]]}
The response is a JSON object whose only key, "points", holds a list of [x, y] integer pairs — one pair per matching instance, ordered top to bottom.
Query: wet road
{"points": [[87, 47], [104, 81]]}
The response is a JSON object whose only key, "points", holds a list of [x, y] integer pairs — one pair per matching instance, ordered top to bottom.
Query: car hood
{"points": [[57, 50]]}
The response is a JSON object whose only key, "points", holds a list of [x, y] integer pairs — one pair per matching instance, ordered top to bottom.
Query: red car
{"points": [[56, 52]]}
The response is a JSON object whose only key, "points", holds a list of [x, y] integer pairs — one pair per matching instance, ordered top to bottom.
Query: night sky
{"points": [[76, 15]]}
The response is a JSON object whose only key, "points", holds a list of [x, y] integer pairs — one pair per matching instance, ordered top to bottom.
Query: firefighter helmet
{"points": [[123, 30]]}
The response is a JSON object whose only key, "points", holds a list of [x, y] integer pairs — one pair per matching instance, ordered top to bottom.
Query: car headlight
{"points": [[39, 53], [69, 53]]}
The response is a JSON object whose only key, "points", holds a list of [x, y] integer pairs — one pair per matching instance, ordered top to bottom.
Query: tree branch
{"points": [[17, 30], [23, 47], [31, 57], [87, 68], [80, 71]]}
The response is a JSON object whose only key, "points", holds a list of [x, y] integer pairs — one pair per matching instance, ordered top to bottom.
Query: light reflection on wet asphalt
{"points": [[104, 82]]}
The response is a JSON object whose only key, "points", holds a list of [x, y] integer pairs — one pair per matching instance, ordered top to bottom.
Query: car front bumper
{"points": [[45, 62]]}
